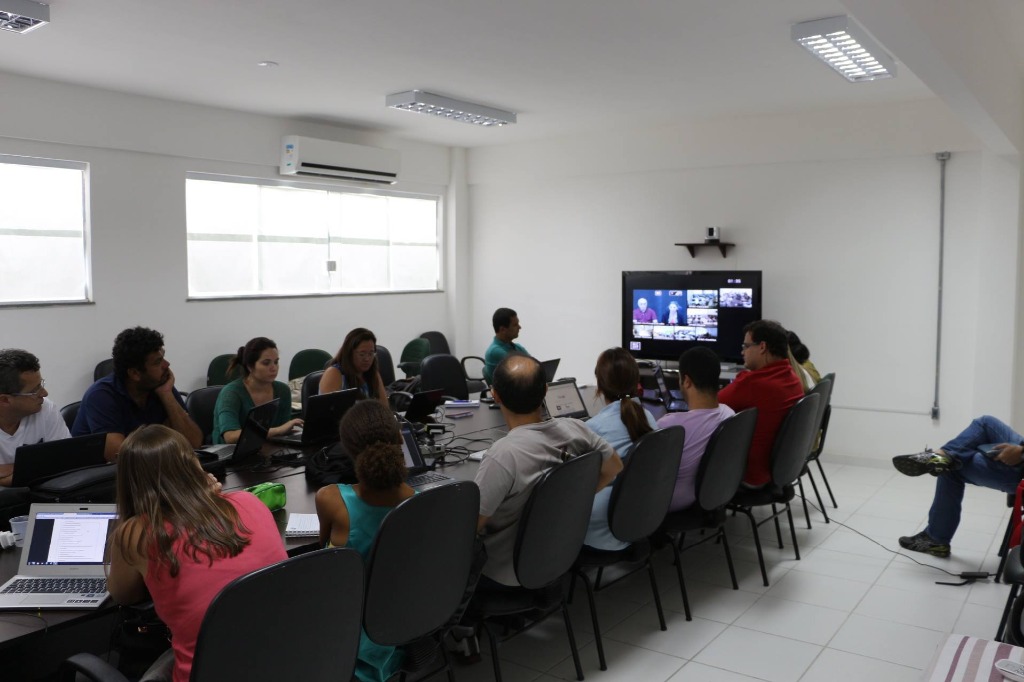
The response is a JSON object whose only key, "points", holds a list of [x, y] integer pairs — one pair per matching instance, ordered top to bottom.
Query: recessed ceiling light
{"points": [[846, 47], [267, 64], [422, 102]]}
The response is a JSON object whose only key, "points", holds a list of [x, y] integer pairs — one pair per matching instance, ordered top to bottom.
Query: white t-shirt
{"points": [[44, 425]]}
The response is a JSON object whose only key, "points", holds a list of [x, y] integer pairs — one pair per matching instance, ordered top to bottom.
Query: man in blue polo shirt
{"points": [[506, 329], [140, 391]]}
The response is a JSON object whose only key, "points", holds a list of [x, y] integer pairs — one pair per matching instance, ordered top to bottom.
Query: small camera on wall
{"points": [[712, 235]]}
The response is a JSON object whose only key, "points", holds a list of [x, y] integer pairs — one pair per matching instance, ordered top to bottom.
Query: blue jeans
{"points": [[944, 515]]}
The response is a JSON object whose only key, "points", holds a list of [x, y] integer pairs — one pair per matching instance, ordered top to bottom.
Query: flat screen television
{"points": [[667, 312]]}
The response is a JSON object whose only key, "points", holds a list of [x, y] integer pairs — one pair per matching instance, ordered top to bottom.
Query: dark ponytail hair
{"points": [[249, 354], [618, 378], [369, 433]]}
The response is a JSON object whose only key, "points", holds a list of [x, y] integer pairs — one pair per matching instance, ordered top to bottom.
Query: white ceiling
{"points": [[564, 65]]}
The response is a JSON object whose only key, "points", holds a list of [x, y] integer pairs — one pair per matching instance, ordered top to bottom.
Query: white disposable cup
{"points": [[19, 525]]}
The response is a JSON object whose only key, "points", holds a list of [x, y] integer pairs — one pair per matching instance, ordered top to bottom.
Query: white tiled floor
{"points": [[848, 610]]}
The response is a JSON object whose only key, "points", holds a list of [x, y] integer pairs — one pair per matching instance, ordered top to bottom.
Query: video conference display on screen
{"points": [[664, 312]]}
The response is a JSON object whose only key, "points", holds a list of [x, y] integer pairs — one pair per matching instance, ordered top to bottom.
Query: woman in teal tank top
{"points": [[351, 514]]}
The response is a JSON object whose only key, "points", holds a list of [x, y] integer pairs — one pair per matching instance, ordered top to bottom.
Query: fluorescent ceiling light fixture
{"points": [[21, 16], [845, 46], [446, 107]]}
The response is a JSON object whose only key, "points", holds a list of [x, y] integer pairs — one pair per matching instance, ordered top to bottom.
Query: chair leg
{"points": [[827, 486], [803, 498], [821, 504], [778, 528], [792, 529], [757, 543], [1004, 548], [728, 557], [682, 583], [1014, 589], [657, 594], [593, 617], [493, 642], [572, 642]]}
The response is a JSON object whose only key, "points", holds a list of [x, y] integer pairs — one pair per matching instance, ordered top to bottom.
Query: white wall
{"points": [[139, 150], [840, 211]]}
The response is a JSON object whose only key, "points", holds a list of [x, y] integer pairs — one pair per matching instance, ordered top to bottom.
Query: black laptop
{"points": [[550, 367], [672, 400], [423, 404], [323, 414], [252, 438], [34, 464], [421, 476]]}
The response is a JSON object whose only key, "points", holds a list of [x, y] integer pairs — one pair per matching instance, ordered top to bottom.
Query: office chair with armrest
{"points": [[438, 343], [412, 356], [306, 361], [386, 366], [103, 368], [217, 372], [443, 372], [475, 382], [310, 386], [824, 389], [200, 405], [69, 412], [789, 454], [718, 478], [639, 501], [548, 540], [417, 572], [318, 641]]}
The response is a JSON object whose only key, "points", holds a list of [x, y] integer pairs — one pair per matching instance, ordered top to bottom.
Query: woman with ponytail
{"points": [[622, 422], [351, 514]]}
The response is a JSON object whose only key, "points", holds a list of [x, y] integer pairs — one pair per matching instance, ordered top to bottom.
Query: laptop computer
{"points": [[550, 367], [563, 399], [672, 400], [421, 407], [323, 414], [252, 438], [34, 464], [421, 476], [62, 562]]}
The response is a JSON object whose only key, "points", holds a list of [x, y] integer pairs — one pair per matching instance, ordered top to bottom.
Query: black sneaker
{"points": [[926, 462], [922, 542]]}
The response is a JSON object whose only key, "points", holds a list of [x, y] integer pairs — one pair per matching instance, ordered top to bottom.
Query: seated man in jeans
{"points": [[958, 462]]}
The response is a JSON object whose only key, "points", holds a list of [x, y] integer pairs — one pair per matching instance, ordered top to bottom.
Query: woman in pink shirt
{"points": [[181, 539]]}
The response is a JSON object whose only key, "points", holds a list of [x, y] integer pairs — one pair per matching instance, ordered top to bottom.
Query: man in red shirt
{"points": [[770, 386]]}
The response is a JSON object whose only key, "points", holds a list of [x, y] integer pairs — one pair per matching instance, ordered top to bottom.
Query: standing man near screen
{"points": [[506, 330], [770, 386], [140, 391], [27, 416]]}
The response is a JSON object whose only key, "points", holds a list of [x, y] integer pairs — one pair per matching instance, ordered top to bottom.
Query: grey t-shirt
{"points": [[508, 473]]}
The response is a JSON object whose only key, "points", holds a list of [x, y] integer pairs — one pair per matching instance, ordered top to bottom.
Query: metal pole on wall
{"points": [[942, 158]]}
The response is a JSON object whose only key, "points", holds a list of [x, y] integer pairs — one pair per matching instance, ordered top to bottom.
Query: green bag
{"points": [[271, 494]]}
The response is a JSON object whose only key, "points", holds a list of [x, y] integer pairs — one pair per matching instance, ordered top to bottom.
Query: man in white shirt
{"points": [[27, 416]]}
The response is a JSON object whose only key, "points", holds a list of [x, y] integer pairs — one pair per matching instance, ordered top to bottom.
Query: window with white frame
{"points": [[44, 231], [250, 237]]}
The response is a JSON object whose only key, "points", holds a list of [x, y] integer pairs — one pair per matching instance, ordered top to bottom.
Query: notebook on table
{"points": [[563, 399], [670, 399], [323, 414], [252, 438], [34, 464], [421, 476], [62, 562]]}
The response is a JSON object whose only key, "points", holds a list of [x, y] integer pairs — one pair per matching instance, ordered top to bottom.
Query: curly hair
{"points": [[132, 347], [369, 433]]}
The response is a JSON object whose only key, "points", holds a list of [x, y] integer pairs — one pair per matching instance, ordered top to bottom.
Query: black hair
{"points": [[502, 317], [772, 334], [132, 347], [800, 352], [249, 354], [13, 362], [346, 364], [703, 367], [618, 379], [520, 383], [369, 433]]}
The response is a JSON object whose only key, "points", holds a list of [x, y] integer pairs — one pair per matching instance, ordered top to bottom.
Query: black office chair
{"points": [[438, 343], [306, 361], [386, 366], [103, 368], [473, 369], [443, 372], [217, 373], [310, 386], [824, 389], [200, 404], [70, 412], [820, 445], [789, 454], [718, 478], [638, 505], [548, 540], [418, 570], [1013, 575], [317, 633]]}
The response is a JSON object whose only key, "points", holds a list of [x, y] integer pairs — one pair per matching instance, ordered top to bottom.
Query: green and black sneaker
{"points": [[926, 462], [923, 543]]}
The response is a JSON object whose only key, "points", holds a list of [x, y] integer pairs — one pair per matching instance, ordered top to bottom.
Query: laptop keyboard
{"points": [[426, 477], [56, 585]]}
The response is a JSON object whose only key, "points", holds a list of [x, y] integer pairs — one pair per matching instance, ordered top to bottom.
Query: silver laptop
{"points": [[563, 399], [62, 562]]}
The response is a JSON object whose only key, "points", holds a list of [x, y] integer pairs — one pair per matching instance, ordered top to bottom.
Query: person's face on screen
{"points": [[642, 304], [673, 306], [362, 356], [266, 368]]}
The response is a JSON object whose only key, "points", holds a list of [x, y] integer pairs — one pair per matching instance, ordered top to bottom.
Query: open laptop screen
{"points": [[563, 399], [69, 538]]}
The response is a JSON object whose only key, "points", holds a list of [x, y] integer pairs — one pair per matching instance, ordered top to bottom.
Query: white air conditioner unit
{"points": [[328, 159]]}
